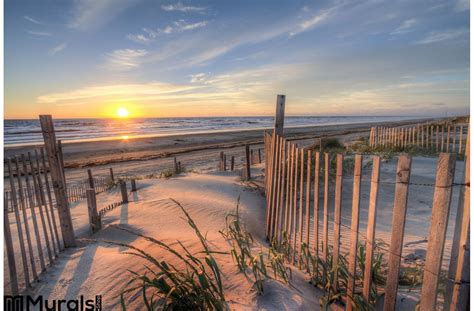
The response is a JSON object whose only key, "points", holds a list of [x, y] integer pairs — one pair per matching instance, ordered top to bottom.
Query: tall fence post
{"points": [[134, 185], [59, 187], [123, 189], [94, 218], [439, 224], [398, 230]]}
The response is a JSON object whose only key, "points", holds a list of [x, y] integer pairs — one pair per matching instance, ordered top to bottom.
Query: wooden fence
{"points": [[433, 136], [294, 180], [77, 191], [32, 232]]}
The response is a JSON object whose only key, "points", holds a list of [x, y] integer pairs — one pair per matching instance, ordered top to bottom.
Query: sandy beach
{"points": [[199, 152]]}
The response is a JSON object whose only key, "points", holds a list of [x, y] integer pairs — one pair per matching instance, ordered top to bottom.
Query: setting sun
{"points": [[122, 112]]}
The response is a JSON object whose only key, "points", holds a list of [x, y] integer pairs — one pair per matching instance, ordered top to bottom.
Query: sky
{"points": [[88, 58]]}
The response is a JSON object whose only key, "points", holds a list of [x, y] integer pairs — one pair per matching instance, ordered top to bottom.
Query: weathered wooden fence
{"points": [[438, 137], [294, 180], [32, 232]]}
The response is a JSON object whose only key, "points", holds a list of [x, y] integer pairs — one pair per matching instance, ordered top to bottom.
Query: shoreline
{"points": [[96, 153]]}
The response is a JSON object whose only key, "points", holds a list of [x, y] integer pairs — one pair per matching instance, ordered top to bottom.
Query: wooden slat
{"points": [[461, 130], [437, 138], [442, 138], [448, 139], [270, 182], [44, 187], [290, 193], [308, 194], [274, 198], [295, 199], [316, 203], [22, 205], [281, 205], [276, 207], [325, 207], [301, 208], [40, 210], [337, 220], [371, 223], [439, 224], [354, 230], [398, 230], [9, 247], [459, 270], [26, 272]]}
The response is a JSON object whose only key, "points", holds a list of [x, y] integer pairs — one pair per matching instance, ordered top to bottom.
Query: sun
{"points": [[122, 112]]}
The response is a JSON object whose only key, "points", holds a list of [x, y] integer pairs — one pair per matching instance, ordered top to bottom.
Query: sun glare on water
{"points": [[122, 112]]}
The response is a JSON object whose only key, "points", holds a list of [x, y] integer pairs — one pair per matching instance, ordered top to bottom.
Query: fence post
{"points": [[280, 115], [461, 130], [259, 156], [247, 160], [61, 161], [221, 161], [225, 162], [232, 163], [175, 165], [112, 174], [91, 179], [134, 185], [123, 189], [372, 216], [65, 219], [94, 219], [439, 223], [398, 229], [354, 230], [457, 292]]}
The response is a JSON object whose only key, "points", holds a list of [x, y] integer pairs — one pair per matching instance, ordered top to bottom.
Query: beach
{"points": [[200, 152]]}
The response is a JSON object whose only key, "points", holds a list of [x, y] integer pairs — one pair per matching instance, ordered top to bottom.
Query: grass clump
{"points": [[255, 267], [195, 285]]}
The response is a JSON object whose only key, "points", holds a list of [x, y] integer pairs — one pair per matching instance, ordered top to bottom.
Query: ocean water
{"points": [[25, 132]]}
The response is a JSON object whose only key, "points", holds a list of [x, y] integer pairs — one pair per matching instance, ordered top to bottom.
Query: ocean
{"points": [[26, 132]]}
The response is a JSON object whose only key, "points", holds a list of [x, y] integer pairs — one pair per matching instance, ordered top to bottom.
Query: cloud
{"points": [[182, 8], [91, 14], [31, 19], [314, 20], [176, 27], [404, 27], [39, 33], [437, 36], [139, 38], [57, 49], [126, 59], [199, 77], [114, 92]]}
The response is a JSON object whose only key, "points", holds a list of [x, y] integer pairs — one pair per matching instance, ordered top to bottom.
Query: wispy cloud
{"points": [[182, 8], [90, 14], [33, 20], [314, 20], [176, 27], [405, 27], [39, 33], [437, 36], [139, 38], [57, 49], [126, 59], [199, 77], [115, 91]]}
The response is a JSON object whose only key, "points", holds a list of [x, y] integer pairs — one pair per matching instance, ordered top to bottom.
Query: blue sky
{"points": [[163, 58]]}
